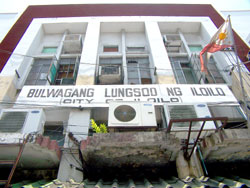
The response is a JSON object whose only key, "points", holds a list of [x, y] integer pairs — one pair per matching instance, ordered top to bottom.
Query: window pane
{"points": [[195, 48], [110, 49], [136, 49], [49, 50], [67, 61], [110, 61], [42, 62], [35, 68], [45, 68], [66, 70], [132, 70], [138, 71], [145, 71], [38, 72], [133, 75], [179, 75], [214, 75], [33, 76], [43, 76], [189, 76], [133, 81], [146, 81], [30, 82], [41, 82], [55, 132]]}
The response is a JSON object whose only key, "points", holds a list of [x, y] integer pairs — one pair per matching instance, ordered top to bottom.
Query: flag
{"points": [[221, 39]]}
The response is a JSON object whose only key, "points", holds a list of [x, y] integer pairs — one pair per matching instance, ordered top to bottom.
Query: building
{"points": [[135, 68]]}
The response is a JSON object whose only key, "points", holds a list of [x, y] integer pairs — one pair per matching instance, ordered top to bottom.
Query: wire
{"points": [[11, 53], [95, 64], [52, 107], [72, 153]]}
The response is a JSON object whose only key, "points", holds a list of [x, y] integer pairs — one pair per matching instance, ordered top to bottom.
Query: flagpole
{"points": [[240, 75]]}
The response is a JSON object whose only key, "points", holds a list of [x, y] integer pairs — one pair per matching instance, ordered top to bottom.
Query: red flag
{"points": [[222, 39]]}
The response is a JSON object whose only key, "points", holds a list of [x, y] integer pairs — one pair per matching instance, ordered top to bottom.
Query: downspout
{"points": [[202, 160]]}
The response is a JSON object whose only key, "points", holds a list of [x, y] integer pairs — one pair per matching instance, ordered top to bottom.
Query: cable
{"points": [[11, 53], [95, 64], [35, 105], [72, 153]]}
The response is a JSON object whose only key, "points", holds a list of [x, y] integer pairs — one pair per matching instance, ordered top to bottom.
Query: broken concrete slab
{"points": [[229, 145], [136, 149]]}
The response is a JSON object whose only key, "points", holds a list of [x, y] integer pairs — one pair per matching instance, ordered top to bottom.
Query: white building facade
{"points": [[129, 72]]}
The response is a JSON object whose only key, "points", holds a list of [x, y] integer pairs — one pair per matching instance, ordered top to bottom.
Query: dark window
{"points": [[110, 49], [135, 49], [49, 50], [67, 71], [138, 71], [38, 73], [183, 73], [213, 74], [55, 132]]}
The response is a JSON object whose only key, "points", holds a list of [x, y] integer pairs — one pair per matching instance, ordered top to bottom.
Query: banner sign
{"points": [[101, 95]]}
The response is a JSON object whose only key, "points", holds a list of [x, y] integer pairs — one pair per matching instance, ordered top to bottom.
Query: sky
{"points": [[14, 6]]}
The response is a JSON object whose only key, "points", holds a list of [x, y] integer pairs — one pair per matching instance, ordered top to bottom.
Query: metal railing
{"points": [[191, 120]]}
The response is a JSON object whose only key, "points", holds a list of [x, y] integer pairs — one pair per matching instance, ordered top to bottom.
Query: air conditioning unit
{"points": [[72, 44], [109, 74], [185, 111], [234, 113], [131, 114], [22, 120]]}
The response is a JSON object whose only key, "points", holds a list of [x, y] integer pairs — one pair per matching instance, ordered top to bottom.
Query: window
{"points": [[173, 43], [111, 48], [195, 48], [135, 49], [49, 50], [110, 61], [67, 71], [110, 71], [138, 71], [38, 73], [183, 73], [213, 75], [55, 132]]}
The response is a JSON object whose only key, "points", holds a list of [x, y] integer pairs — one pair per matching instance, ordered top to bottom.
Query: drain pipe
{"points": [[202, 160]]}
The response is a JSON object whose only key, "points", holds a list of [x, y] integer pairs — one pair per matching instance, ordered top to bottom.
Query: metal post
{"points": [[238, 66], [197, 139], [187, 143], [16, 162]]}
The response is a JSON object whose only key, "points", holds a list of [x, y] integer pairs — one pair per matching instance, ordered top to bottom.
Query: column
{"points": [[159, 56], [87, 67]]}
